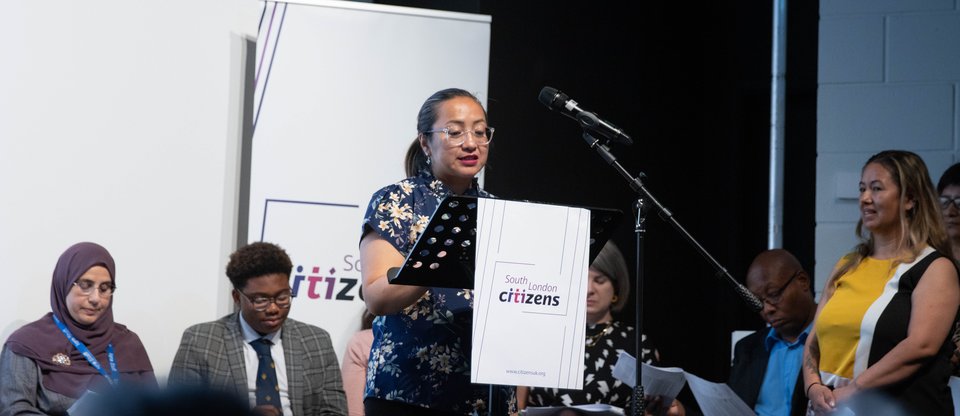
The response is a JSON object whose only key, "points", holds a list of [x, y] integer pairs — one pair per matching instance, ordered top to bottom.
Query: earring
{"points": [[428, 160], [614, 299]]}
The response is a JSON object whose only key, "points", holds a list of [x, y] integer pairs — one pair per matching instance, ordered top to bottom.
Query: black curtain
{"points": [[690, 82]]}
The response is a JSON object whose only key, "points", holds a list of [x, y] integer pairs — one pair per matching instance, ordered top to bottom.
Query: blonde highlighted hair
{"points": [[920, 226]]}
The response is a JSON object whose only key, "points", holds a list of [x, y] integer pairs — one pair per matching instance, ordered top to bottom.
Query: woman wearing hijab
{"points": [[48, 364]]}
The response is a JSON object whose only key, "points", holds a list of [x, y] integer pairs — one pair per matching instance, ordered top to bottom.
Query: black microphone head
{"points": [[553, 98]]}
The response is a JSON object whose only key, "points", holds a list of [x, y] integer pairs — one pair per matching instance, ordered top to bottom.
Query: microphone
{"points": [[558, 101]]}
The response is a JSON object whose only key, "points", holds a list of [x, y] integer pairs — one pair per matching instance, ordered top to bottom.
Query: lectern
{"points": [[444, 254]]}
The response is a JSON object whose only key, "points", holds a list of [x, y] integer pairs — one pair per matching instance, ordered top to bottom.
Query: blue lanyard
{"points": [[89, 355]]}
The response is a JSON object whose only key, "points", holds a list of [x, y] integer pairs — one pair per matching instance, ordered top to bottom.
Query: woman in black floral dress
{"points": [[608, 289]]}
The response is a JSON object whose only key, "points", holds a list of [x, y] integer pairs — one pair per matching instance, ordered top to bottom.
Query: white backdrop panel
{"points": [[339, 85], [119, 124]]}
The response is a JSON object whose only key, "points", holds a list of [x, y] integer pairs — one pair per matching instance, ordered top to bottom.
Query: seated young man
{"points": [[283, 366]]}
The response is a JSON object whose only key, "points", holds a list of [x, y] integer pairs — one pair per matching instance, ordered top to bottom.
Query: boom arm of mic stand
{"points": [[667, 216]]}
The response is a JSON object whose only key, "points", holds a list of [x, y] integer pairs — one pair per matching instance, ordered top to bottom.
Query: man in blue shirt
{"points": [[766, 364]]}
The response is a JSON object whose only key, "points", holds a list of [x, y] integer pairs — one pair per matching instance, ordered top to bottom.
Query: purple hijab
{"points": [[41, 340]]}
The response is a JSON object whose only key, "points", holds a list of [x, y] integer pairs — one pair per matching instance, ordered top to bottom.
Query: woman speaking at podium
{"points": [[420, 359]]}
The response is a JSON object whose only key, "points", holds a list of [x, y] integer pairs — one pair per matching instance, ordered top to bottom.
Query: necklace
{"points": [[593, 339]]}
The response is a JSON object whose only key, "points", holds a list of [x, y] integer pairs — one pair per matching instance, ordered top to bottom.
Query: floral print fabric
{"points": [[421, 355], [599, 385]]}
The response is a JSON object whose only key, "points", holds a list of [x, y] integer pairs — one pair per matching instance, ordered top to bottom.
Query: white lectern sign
{"points": [[531, 287]]}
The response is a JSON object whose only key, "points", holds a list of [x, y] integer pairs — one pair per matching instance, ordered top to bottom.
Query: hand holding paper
{"points": [[715, 399]]}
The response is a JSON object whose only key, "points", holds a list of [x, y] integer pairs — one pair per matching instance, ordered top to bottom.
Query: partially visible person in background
{"points": [[949, 189], [608, 288], [766, 363], [48, 364], [354, 367], [172, 401]]}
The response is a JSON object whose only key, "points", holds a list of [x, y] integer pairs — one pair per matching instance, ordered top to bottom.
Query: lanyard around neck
{"points": [[114, 376]]}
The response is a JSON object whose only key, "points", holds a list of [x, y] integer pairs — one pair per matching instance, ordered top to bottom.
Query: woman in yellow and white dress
{"points": [[888, 308]]}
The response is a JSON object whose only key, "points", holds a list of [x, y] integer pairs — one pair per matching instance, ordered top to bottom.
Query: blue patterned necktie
{"points": [[268, 389]]}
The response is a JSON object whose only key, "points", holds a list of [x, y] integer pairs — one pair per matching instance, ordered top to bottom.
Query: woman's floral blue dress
{"points": [[421, 355]]}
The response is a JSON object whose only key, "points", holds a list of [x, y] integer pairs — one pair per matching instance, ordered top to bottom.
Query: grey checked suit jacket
{"points": [[211, 355]]}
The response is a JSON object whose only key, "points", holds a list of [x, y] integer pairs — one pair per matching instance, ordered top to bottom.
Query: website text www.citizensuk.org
{"points": [[527, 373]]}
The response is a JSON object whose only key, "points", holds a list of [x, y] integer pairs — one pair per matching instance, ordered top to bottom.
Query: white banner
{"points": [[338, 87], [531, 288]]}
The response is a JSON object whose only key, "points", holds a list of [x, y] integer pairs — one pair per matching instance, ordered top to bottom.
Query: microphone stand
{"points": [[644, 203], [639, 229]]}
